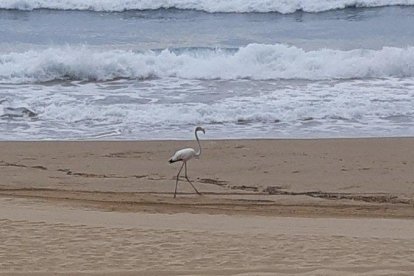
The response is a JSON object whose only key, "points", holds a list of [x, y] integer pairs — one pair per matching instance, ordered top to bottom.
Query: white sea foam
{"points": [[281, 6], [254, 61], [375, 107]]}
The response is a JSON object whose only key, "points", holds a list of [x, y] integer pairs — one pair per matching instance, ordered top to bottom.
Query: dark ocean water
{"points": [[246, 69]]}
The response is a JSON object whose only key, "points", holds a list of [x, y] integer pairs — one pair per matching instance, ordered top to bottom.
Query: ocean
{"points": [[155, 69]]}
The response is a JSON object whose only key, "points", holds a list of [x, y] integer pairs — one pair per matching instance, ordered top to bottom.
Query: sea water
{"points": [[154, 69]]}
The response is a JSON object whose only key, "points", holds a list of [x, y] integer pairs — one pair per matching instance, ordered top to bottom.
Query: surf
{"points": [[210, 6], [253, 61]]}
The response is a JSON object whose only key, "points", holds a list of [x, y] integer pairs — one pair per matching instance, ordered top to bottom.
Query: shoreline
{"points": [[191, 138]]}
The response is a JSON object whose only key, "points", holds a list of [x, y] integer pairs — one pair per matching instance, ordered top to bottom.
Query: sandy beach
{"points": [[285, 207]]}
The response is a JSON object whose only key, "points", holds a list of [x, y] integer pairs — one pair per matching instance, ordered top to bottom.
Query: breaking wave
{"points": [[238, 6], [254, 61]]}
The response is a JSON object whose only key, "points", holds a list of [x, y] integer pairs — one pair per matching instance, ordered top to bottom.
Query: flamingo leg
{"points": [[186, 177], [176, 182]]}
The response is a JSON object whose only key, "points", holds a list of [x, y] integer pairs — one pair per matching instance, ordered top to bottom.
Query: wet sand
{"points": [[291, 207]]}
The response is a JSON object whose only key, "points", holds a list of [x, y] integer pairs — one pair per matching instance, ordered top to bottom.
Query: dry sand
{"points": [[285, 207]]}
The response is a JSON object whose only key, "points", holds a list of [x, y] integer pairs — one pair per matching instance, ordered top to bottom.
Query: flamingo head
{"points": [[199, 128]]}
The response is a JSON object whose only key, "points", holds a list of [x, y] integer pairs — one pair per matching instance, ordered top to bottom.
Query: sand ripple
{"points": [[29, 246]]}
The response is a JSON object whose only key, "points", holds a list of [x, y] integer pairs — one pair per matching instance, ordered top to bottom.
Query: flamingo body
{"points": [[183, 155]]}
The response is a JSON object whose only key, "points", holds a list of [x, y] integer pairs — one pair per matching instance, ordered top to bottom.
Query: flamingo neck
{"points": [[199, 146]]}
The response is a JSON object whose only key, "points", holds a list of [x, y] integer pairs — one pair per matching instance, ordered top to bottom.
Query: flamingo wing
{"points": [[182, 155]]}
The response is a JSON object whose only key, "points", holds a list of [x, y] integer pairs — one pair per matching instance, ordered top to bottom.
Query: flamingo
{"points": [[184, 155]]}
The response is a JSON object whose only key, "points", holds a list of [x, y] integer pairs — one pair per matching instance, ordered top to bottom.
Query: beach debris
{"points": [[16, 112], [213, 181], [245, 188], [272, 190], [366, 197]]}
